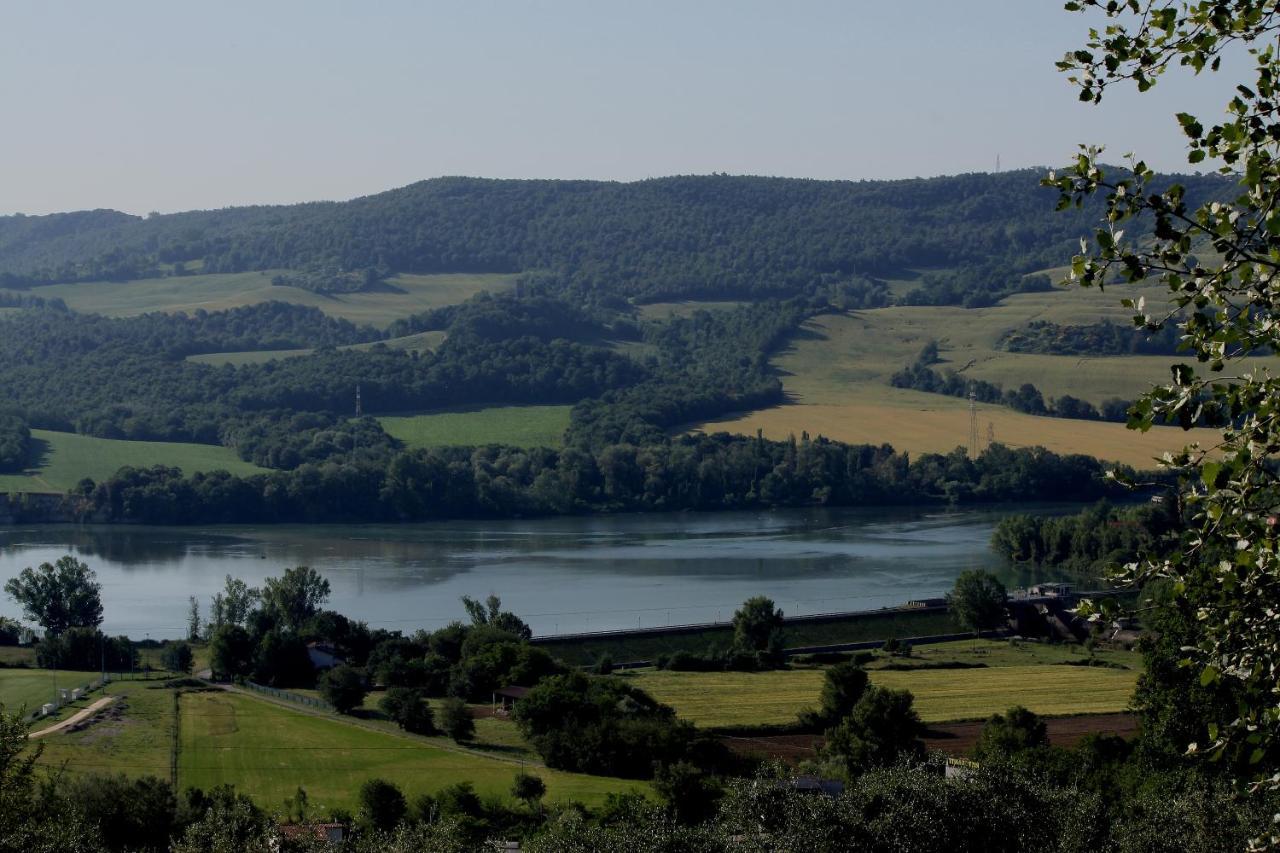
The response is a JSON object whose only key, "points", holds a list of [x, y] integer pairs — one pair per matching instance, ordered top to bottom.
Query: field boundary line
{"points": [[175, 743]]}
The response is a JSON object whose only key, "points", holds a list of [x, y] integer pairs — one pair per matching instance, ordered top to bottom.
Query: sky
{"points": [[143, 105]]}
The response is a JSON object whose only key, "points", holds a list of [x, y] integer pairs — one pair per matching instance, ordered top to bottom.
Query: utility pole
{"points": [[359, 407]]}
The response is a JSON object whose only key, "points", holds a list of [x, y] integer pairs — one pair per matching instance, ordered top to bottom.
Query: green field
{"points": [[403, 295], [666, 310], [420, 342], [836, 377], [521, 426], [66, 458], [1030, 675], [31, 688], [134, 739], [267, 751]]}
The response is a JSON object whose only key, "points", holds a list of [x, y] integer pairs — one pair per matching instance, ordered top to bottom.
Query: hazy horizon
{"points": [[160, 107]]}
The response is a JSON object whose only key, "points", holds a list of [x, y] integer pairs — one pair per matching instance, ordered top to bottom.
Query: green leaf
{"points": [[1209, 472]]}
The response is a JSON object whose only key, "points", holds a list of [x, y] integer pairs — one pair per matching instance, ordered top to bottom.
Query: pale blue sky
{"points": [[174, 105]]}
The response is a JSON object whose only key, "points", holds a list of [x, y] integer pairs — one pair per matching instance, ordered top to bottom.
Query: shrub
{"points": [[177, 657], [343, 688], [408, 708], [456, 720], [882, 729], [1008, 734], [529, 789], [382, 805]]}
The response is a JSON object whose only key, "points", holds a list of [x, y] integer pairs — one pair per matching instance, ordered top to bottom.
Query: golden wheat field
{"points": [[836, 376]]}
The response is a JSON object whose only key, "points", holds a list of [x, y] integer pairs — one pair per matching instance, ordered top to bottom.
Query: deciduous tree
{"points": [[59, 595], [295, 596], [977, 601], [756, 624], [343, 688]]}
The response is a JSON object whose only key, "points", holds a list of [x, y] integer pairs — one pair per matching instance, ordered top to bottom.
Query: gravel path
{"points": [[73, 719]]}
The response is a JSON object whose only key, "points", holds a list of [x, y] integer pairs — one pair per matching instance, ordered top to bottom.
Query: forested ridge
{"points": [[678, 237]]}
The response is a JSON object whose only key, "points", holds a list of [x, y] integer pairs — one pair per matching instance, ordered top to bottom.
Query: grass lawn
{"points": [[404, 294], [836, 376], [522, 426], [67, 458], [1030, 675], [34, 687], [134, 739], [267, 751]]}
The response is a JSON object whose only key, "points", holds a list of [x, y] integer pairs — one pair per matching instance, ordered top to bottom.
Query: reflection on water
{"points": [[563, 574]]}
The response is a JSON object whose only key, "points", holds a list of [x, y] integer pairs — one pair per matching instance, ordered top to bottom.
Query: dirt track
{"points": [[74, 718], [953, 738]]}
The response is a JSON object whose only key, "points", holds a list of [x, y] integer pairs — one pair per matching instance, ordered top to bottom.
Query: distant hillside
{"points": [[681, 237]]}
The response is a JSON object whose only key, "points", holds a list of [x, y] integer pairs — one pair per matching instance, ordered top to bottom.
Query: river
{"points": [[560, 574]]}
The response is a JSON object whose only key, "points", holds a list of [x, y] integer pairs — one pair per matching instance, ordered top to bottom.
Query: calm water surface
{"points": [[559, 574]]}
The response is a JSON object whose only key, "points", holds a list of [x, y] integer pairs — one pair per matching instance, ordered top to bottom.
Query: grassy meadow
{"points": [[402, 295], [687, 308], [836, 372], [521, 426], [66, 458], [1032, 675], [31, 688], [134, 738], [267, 751]]}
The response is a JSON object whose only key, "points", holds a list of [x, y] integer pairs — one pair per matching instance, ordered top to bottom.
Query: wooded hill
{"points": [[679, 237]]}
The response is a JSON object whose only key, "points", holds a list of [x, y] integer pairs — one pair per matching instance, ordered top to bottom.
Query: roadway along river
{"points": [[561, 575]]}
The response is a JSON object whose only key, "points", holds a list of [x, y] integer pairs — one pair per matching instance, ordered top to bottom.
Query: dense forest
{"points": [[679, 237]]}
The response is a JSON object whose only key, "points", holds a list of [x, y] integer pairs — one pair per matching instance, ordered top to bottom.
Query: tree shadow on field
{"points": [[383, 286], [38, 455]]}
